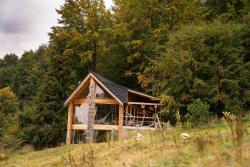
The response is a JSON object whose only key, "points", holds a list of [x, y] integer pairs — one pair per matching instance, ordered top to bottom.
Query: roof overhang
{"points": [[143, 94], [145, 104]]}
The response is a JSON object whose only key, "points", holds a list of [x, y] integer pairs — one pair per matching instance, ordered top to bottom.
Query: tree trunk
{"points": [[94, 58], [91, 112]]}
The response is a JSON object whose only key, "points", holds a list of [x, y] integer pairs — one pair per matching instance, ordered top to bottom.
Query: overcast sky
{"points": [[24, 24]]}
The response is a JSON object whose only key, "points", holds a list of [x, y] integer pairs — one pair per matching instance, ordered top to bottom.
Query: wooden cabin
{"points": [[99, 104]]}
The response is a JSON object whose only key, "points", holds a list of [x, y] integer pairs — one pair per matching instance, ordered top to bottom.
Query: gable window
{"points": [[84, 93], [100, 93]]}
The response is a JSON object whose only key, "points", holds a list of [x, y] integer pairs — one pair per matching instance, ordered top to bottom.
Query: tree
{"points": [[228, 9], [84, 20], [146, 24], [72, 46], [205, 62], [31, 69], [8, 71], [24, 75], [198, 113], [10, 135]]}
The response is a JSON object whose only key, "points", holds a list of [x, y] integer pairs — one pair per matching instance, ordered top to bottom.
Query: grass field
{"points": [[212, 147]]}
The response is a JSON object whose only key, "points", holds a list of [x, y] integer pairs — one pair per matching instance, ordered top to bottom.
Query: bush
{"points": [[198, 113]]}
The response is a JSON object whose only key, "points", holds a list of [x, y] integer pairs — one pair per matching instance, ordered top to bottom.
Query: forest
{"points": [[193, 54]]}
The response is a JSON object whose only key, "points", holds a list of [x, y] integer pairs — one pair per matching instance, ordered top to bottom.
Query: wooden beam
{"points": [[78, 90], [143, 94], [81, 101], [97, 101], [105, 101], [142, 103], [127, 110], [70, 122], [120, 124], [79, 126], [95, 127], [105, 127]]}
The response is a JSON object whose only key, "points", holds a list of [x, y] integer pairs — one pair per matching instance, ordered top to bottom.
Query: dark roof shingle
{"points": [[119, 91]]}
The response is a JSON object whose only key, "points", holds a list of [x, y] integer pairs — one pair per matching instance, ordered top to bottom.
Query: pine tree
{"points": [[146, 25], [73, 45], [203, 62], [8, 72]]}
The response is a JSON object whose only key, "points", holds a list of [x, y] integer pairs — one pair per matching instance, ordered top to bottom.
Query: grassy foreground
{"points": [[210, 147]]}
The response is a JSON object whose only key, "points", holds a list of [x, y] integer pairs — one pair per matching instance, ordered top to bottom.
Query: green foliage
{"points": [[228, 9], [146, 24], [85, 33], [177, 50], [202, 62], [8, 71], [24, 75], [8, 102], [198, 113], [44, 118], [10, 135]]}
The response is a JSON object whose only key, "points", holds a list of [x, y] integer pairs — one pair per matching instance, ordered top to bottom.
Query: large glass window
{"points": [[107, 114]]}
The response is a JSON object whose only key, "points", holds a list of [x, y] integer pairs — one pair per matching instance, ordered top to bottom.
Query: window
{"points": [[84, 93], [100, 93], [107, 114]]}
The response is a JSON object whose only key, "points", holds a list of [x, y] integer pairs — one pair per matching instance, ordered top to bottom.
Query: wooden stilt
{"points": [[127, 111], [70, 122], [120, 126]]}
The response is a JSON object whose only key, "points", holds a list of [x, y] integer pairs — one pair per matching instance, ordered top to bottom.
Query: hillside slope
{"points": [[206, 147]]}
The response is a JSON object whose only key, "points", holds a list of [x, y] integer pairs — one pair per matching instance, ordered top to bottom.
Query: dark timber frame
{"points": [[135, 108]]}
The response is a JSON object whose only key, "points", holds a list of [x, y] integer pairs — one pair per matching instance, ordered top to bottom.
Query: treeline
{"points": [[193, 54]]}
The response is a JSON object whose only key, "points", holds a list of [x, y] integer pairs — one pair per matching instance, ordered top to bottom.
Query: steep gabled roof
{"points": [[120, 93]]}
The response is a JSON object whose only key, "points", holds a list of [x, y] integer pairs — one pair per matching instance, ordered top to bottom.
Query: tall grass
{"points": [[209, 147], [87, 158]]}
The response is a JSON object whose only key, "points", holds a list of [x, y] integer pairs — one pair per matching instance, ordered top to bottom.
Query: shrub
{"points": [[198, 113]]}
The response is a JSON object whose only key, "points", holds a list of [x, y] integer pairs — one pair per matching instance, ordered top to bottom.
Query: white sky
{"points": [[24, 24]]}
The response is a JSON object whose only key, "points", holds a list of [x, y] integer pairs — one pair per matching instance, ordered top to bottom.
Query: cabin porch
{"points": [[117, 120]]}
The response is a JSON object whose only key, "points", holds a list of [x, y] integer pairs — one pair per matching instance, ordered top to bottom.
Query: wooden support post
{"points": [[143, 109], [91, 111], [127, 111], [70, 122], [120, 126]]}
